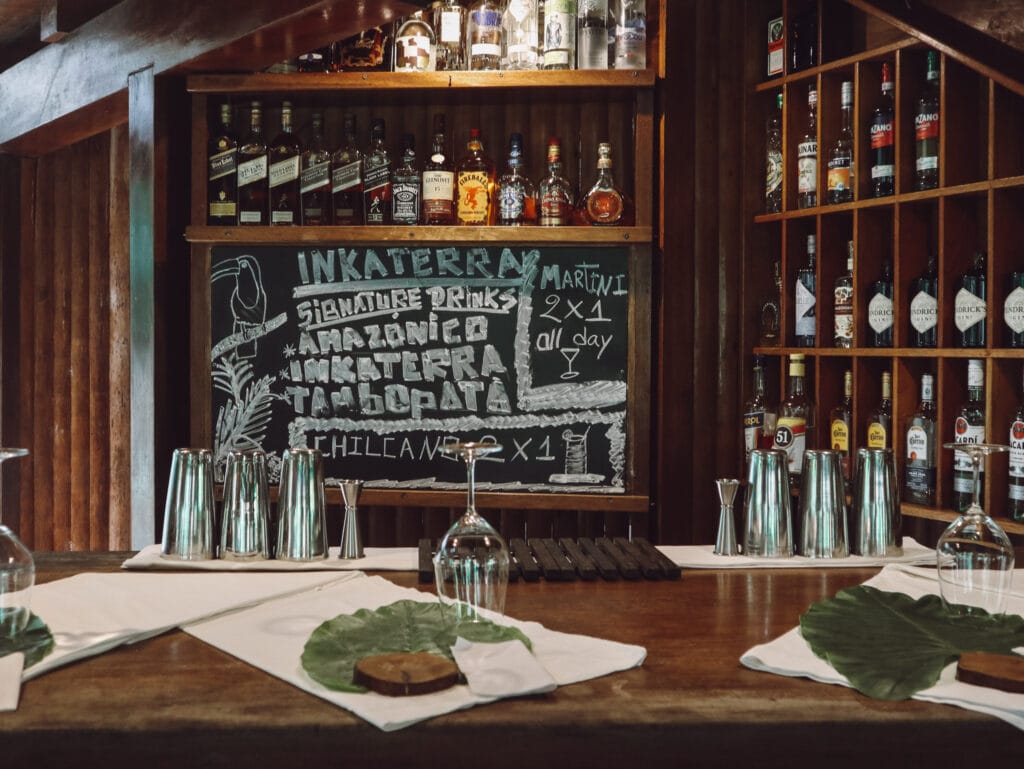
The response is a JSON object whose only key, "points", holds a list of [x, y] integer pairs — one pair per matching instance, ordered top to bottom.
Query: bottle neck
{"points": [[758, 381], [796, 384]]}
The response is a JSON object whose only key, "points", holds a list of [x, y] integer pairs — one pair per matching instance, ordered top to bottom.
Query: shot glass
{"points": [[189, 511], [768, 514], [301, 525], [823, 526], [243, 531]]}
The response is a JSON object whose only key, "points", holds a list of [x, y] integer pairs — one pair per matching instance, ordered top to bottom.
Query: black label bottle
{"points": [[883, 140], [283, 174], [377, 177], [222, 180], [806, 298], [924, 306], [969, 306], [880, 317], [969, 427], [919, 465]]}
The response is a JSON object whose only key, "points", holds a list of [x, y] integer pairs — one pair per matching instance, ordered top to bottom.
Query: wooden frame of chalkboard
{"points": [[377, 353]]}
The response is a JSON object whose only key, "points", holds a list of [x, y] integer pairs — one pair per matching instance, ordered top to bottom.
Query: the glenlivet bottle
{"points": [[806, 298], [924, 306], [969, 307], [969, 427], [919, 464]]}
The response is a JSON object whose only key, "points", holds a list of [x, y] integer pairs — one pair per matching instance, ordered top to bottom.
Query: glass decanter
{"points": [[974, 555], [471, 563], [17, 573]]}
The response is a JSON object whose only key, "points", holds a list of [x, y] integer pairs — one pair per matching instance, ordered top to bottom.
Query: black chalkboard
{"points": [[378, 355]]}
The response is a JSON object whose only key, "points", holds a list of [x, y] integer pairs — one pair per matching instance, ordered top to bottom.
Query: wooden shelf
{"points": [[839, 64], [419, 234], [895, 352], [935, 514]]}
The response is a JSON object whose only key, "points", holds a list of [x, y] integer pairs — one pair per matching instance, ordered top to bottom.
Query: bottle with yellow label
{"points": [[794, 413], [880, 418], [841, 424]]}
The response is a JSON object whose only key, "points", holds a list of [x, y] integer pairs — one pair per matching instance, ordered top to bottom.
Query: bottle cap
{"points": [[846, 93], [554, 150], [604, 155], [811, 244]]}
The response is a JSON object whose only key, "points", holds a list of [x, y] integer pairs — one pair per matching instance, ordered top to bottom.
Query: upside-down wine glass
{"points": [[974, 555], [471, 564], [17, 573]]}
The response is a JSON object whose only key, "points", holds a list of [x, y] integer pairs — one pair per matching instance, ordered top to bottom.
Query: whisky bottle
{"points": [[520, 30], [560, 34], [592, 34], [631, 34], [450, 35], [483, 35], [415, 47], [366, 51], [319, 60], [926, 129], [883, 140], [807, 156], [840, 159], [773, 160], [252, 172], [283, 173], [347, 177], [377, 177], [222, 179], [315, 180], [439, 180], [474, 184], [405, 186], [555, 190], [517, 199], [606, 203], [806, 299], [924, 303], [969, 306], [842, 308], [880, 309], [1013, 310], [758, 417], [792, 422], [879, 422], [841, 425], [969, 427], [919, 466], [1015, 501]]}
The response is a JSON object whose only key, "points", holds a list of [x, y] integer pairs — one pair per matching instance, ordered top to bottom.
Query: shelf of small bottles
{"points": [[331, 81], [419, 234], [896, 352], [935, 514]]}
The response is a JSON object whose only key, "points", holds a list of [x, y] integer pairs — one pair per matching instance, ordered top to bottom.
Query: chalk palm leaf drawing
{"points": [[243, 420]]}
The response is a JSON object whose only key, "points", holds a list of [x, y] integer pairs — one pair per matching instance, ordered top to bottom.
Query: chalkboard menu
{"points": [[379, 355]]}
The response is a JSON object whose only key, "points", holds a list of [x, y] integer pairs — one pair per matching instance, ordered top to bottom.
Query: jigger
{"points": [[351, 542], [726, 543]]}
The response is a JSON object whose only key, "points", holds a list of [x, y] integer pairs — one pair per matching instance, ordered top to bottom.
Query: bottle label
{"points": [[519, 9], [557, 25], [451, 27], [631, 47], [413, 52], [926, 126], [881, 135], [223, 164], [807, 167], [251, 171], [284, 171], [883, 171], [773, 174], [839, 175], [347, 176], [316, 177], [438, 191], [473, 197], [406, 202], [511, 203], [223, 208], [554, 209], [250, 217], [282, 217], [805, 301], [924, 309], [969, 310], [1013, 310], [880, 313], [843, 327], [753, 424], [965, 432], [840, 435], [791, 437], [878, 437], [917, 443], [1017, 459], [921, 479]]}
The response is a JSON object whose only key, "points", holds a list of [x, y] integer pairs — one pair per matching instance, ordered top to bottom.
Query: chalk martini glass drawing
{"points": [[471, 563]]}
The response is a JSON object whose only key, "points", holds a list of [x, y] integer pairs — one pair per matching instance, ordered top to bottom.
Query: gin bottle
{"points": [[520, 30], [560, 34], [592, 34], [449, 35], [483, 35], [773, 160], [806, 299], [924, 304], [969, 305], [880, 309], [1013, 310], [969, 427], [919, 463]]}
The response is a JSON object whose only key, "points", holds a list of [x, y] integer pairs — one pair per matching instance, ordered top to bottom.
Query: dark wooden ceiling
{"points": [[24, 23]]}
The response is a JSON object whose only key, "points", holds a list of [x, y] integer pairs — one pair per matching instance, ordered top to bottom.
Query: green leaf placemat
{"points": [[36, 642], [336, 645], [890, 646]]}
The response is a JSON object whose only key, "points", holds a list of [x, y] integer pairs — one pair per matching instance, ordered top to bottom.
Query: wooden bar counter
{"points": [[174, 701]]}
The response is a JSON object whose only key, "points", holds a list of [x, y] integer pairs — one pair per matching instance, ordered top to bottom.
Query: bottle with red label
{"points": [[926, 130], [883, 143], [969, 428], [1015, 504]]}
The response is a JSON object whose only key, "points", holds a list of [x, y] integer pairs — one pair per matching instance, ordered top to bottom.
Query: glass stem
{"points": [[976, 458], [470, 482]]}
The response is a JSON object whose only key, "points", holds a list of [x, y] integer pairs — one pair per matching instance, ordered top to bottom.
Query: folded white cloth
{"points": [[703, 557], [376, 559], [91, 613], [272, 636], [789, 654], [505, 669], [10, 680]]}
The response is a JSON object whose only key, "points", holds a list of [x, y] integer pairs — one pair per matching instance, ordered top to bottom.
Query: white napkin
{"points": [[703, 557], [376, 559], [91, 613], [271, 637], [789, 654], [505, 669], [10, 680]]}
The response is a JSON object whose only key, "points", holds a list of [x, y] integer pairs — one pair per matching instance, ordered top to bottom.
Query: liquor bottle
{"points": [[520, 28], [560, 34], [592, 34], [631, 34], [483, 35], [449, 36], [803, 40], [415, 46], [366, 51], [320, 60], [926, 129], [883, 140], [807, 156], [840, 158], [773, 160], [252, 172], [283, 173], [347, 177], [377, 177], [222, 180], [315, 180], [439, 180], [474, 184], [405, 185], [555, 190], [517, 198], [606, 203], [806, 298], [924, 304], [969, 307], [842, 308], [880, 309], [1013, 310], [771, 313], [758, 417], [793, 418], [879, 423], [841, 425], [969, 428], [920, 461], [1015, 503]]}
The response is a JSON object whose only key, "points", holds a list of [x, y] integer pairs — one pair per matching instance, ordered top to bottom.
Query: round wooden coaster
{"points": [[996, 671], [404, 674]]}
